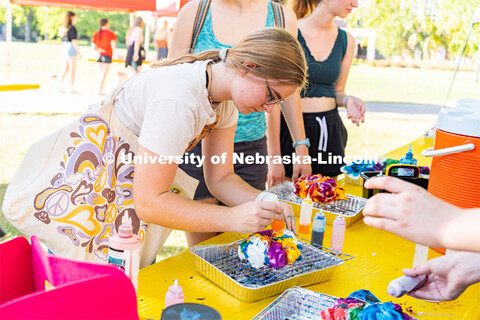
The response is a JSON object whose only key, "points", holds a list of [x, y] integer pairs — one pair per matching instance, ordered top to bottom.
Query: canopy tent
{"points": [[104, 5], [169, 11]]}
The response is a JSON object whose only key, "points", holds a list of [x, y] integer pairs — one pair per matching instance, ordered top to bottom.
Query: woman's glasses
{"points": [[272, 99]]}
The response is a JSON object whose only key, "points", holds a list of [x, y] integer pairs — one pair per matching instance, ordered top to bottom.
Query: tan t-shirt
{"points": [[168, 108]]}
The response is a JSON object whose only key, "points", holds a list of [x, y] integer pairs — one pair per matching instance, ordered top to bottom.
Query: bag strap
{"points": [[278, 15], [199, 21]]}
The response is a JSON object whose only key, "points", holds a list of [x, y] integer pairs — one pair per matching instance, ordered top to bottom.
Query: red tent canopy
{"points": [[104, 5], [169, 11]]}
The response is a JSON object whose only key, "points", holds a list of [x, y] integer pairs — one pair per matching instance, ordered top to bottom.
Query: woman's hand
{"points": [[135, 57], [355, 110], [276, 174], [254, 216], [448, 276]]}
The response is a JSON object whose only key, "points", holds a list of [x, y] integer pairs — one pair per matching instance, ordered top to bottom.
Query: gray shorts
{"points": [[254, 174]]}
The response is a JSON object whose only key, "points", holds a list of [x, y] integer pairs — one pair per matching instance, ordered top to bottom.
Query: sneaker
{"points": [[60, 89], [72, 90]]}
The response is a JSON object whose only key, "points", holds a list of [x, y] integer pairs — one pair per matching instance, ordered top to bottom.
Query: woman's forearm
{"points": [[273, 132], [232, 190], [173, 211], [462, 231]]}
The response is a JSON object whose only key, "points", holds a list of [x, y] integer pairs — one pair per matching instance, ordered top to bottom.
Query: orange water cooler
{"points": [[455, 171]]}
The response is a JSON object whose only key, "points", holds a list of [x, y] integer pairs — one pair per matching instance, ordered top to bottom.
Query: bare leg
{"points": [[73, 61], [63, 72], [102, 75], [194, 238]]}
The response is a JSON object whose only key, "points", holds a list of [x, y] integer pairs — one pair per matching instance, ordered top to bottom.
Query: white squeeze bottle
{"points": [[305, 215], [338, 235], [124, 250], [405, 284], [174, 295]]}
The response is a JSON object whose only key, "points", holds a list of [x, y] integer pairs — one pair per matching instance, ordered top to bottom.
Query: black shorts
{"points": [[129, 57], [105, 59], [328, 138], [254, 174]]}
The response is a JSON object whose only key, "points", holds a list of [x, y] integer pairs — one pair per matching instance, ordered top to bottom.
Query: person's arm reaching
{"points": [[224, 184], [156, 204], [416, 215], [448, 276]]}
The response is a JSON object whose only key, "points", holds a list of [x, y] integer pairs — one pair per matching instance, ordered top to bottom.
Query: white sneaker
{"points": [[60, 89], [72, 90]]}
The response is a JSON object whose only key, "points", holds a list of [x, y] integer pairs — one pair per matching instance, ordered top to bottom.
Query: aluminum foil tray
{"points": [[350, 209], [221, 265], [297, 303]]}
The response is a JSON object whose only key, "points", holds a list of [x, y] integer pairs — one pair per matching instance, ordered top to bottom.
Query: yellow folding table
{"points": [[18, 87], [379, 257]]}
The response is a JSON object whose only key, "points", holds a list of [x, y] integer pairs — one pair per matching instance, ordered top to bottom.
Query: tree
{"points": [[427, 26]]}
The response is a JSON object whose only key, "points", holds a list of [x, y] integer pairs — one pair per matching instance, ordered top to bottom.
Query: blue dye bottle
{"points": [[408, 159], [318, 228]]}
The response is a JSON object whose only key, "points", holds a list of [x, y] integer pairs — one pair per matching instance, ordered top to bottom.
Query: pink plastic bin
{"points": [[82, 290]]}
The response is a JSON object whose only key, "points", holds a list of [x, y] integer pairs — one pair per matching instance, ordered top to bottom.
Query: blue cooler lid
{"points": [[464, 119]]}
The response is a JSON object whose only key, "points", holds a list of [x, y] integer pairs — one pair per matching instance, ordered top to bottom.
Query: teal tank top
{"points": [[323, 75], [250, 127]]}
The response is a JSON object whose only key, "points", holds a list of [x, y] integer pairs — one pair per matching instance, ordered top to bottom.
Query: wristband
{"points": [[345, 100], [304, 141]]}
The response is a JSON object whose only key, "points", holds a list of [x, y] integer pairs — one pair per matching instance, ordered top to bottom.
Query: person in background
{"points": [[226, 22], [160, 38], [134, 41], [104, 42], [70, 51], [329, 52], [416, 215]]}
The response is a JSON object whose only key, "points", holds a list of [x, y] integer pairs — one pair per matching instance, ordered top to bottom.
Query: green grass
{"points": [[34, 62], [424, 86]]}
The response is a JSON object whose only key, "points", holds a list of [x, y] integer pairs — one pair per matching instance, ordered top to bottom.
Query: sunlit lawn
{"points": [[369, 83]]}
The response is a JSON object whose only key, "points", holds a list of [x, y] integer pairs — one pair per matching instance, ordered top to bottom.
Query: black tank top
{"points": [[323, 75]]}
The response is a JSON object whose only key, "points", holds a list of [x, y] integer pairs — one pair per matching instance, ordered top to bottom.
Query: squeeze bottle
{"points": [[408, 159], [305, 215], [276, 225], [318, 228], [338, 234], [124, 250], [405, 284], [174, 295]]}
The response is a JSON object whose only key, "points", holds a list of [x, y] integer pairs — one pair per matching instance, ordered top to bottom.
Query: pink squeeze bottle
{"points": [[338, 234], [124, 250], [174, 295]]}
